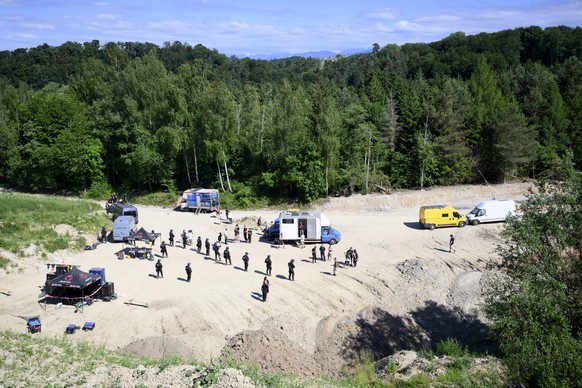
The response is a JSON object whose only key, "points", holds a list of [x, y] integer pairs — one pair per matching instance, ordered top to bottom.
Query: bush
{"points": [[100, 189], [242, 197], [451, 347]]}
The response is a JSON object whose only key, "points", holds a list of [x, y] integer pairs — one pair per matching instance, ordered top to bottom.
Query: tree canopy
{"points": [[488, 107]]}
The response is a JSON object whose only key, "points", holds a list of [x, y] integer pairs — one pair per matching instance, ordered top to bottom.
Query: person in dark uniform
{"points": [[245, 231], [103, 234], [249, 234], [219, 237], [171, 238], [184, 239], [199, 244], [452, 244], [207, 245], [163, 249], [216, 249], [322, 252], [226, 255], [313, 255], [355, 257], [245, 259], [269, 264], [291, 266], [159, 269], [188, 272], [265, 288]]}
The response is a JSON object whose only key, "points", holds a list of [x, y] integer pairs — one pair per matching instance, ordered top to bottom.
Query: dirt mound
{"points": [[465, 196]]}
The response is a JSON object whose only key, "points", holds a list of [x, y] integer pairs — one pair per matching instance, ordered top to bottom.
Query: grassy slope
{"points": [[31, 219]]}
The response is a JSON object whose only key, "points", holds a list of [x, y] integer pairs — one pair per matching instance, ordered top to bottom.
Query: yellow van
{"points": [[436, 216]]}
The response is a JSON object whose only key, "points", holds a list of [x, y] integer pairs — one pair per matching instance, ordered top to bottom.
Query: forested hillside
{"points": [[137, 117]]}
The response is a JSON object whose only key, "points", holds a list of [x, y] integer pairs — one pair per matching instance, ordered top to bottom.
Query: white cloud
{"points": [[382, 14], [108, 16], [35, 26]]}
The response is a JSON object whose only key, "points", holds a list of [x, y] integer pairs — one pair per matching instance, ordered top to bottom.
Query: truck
{"points": [[199, 200], [491, 211], [436, 216], [314, 226], [123, 228]]}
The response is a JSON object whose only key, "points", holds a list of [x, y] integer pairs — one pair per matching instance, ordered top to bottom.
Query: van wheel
{"points": [[475, 222], [462, 224], [431, 226], [332, 241]]}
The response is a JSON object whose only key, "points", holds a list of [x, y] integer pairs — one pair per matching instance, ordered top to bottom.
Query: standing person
{"points": [[227, 213], [259, 222], [301, 230], [236, 233], [245, 233], [250, 234], [103, 235], [226, 236], [190, 237], [219, 237], [171, 238], [184, 238], [302, 242], [198, 244], [452, 244], [207, 246], [163, 249], [216, 249], [322, 252], [329, 252], [313, 255], [227, 256], [349, 256], [355, 257], [245, 259], [269, 264], [291, 266], [334, 266], [159, 269], [188, 272], [265, 288]]}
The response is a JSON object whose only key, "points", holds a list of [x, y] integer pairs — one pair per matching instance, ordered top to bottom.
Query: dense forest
{"points": [[137, 117]]}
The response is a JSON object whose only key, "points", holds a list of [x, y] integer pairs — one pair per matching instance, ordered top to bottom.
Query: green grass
{"points": [[30, 219], [4, 262]]}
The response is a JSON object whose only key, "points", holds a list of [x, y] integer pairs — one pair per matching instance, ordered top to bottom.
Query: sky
{"points": [[251, 27]]}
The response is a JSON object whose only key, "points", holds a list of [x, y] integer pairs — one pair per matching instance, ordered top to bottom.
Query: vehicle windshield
{"points": [[475, 211]]}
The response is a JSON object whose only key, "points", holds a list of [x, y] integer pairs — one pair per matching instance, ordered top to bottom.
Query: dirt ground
{"points": [[406, 293]]}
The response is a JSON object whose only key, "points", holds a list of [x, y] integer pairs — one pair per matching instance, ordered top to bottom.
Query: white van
{"points": [[491, 211], [123, 227]]}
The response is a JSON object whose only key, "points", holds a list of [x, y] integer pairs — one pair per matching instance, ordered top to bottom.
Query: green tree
{"points": [[446, 117], [57, 149], [535, 308]]}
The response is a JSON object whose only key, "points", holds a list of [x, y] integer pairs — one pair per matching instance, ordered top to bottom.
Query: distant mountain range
{"points": [[309, 54]]}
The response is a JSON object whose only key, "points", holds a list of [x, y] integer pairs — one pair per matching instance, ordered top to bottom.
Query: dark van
{"points": [[123, 209]]}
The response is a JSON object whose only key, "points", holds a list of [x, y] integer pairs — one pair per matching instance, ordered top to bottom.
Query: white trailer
{"points": [[491, 211], [314, 226]]}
